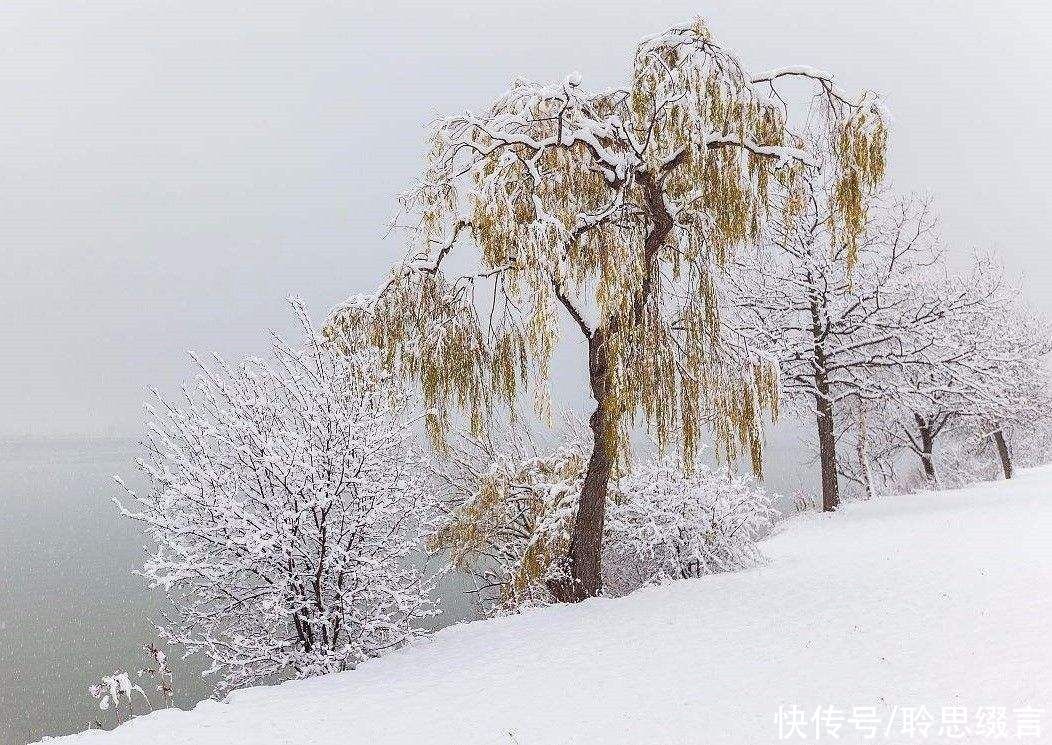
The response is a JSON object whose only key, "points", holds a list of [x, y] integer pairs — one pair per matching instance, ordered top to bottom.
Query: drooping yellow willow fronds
{"points": [[612, 208]]}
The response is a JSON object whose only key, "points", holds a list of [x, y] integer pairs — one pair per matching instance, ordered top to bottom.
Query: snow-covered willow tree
{"points": [[611, 207], [286, 504]]}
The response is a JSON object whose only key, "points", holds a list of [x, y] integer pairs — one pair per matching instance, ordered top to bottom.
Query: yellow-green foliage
{"points": [[860, 145], [555, 187], [515, 522]]}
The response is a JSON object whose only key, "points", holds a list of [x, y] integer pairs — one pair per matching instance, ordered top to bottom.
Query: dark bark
{"points": [[824, 415], [926, 440], [826, 446], [1002, 450], [584, 560], [584, 568]]}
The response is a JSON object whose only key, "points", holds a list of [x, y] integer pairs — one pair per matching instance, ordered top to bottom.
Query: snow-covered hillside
{"points": [[942, 601]]}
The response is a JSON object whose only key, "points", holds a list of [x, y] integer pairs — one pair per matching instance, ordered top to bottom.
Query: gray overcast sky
{"points": [[171, 171]]}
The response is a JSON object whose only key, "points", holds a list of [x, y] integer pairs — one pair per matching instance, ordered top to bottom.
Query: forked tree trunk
{"points": [[927, 443], [1002, 450], [584, 559], [584, 570]]}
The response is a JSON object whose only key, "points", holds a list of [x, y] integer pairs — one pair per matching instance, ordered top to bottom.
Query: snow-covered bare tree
{"points": [[613, 207], [841, 324], [982, 373], [1006, 388], [1013, 396], [925, 399], [1031, 442], [285, 500]]}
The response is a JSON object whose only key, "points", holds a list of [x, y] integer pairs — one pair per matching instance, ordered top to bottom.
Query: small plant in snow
{"points": [[286, 506], [160, 672], [114, 692]]}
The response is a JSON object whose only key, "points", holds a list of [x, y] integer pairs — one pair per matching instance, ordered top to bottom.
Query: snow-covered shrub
{"points": [[287, 508], [512, 513], [509, 517], [667, 524]]}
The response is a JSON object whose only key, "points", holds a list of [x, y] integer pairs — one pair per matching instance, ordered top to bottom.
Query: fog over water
{"points": [[71, 607]]}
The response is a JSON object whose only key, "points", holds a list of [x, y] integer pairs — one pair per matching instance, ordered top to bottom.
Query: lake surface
{"points": [[71, 607]]}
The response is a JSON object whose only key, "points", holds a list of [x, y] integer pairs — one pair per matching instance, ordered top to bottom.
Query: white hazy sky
{"points": [[171, 171]]}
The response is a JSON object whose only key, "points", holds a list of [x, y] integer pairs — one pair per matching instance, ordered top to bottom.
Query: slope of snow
{"points": [[934, 600]]}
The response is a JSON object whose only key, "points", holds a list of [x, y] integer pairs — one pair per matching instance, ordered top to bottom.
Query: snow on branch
{"points": [[568, 202], [286, 507], [511, 509]]}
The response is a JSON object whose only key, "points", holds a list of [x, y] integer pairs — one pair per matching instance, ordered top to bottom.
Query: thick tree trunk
{"points": [[824, 412], [927, 443], [826, 446], [1002, 450], [584, 560], [584, 568]]}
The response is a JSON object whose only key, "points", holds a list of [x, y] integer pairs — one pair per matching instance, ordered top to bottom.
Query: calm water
{"points": [[71, 608]]}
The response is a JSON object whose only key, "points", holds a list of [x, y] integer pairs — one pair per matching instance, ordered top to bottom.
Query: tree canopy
{"points": [[613, 205], [617, 207]]}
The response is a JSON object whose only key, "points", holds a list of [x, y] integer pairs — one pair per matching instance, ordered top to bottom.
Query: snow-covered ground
{"points": [[941, 601]]}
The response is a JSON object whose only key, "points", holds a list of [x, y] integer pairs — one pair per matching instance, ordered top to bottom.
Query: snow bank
{"points": [[934, 600]]}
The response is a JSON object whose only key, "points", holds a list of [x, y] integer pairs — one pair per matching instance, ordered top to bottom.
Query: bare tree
{"points": [[612, 207], [840, 328], [982, 371], [1005, 387], [928, 397], [286, 505]]}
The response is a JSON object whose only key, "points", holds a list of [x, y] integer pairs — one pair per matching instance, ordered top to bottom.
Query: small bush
{"points": [[512, 509], [667, 524]]}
